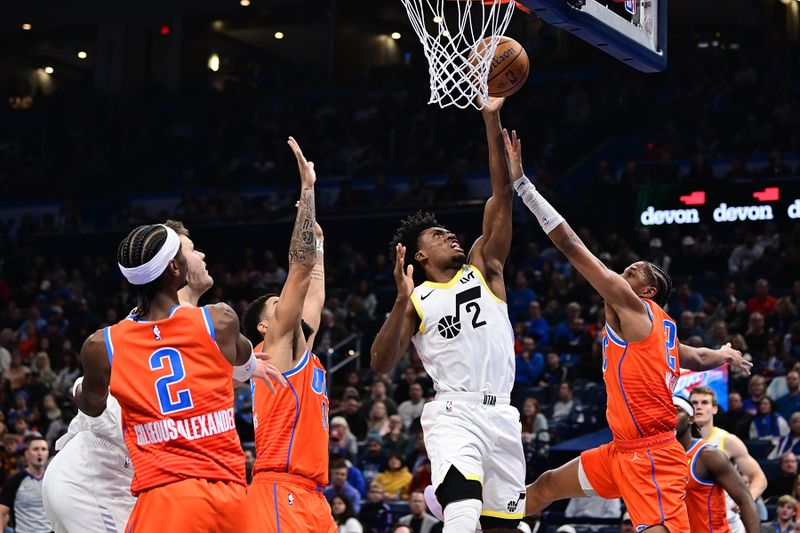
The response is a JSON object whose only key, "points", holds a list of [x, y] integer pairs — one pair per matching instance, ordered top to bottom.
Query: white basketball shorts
{"points": [[481, 436], [87, 487]]}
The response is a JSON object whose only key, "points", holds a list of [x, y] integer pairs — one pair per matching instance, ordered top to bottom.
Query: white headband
{"points": [[149, 271], [683, 403]]}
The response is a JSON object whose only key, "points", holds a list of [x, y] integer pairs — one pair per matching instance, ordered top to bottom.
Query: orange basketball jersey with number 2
{"points": [[639, 381], [291, 425]]}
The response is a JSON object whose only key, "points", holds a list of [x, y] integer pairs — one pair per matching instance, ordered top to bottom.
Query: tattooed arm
{"points": [[315, 299], [284, 335]]}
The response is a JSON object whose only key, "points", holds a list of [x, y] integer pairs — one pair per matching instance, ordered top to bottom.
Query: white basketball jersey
{"points": [[465, 339], [107, 426]]}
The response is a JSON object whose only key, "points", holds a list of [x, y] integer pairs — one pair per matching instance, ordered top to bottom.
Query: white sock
{"points": [[462, 516]]}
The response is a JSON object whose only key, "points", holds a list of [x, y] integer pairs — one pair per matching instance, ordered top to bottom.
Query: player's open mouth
{"points": [[455, 246]]}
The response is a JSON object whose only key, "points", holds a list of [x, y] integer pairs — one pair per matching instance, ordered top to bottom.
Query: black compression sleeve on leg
{"points": [[456, 487]]}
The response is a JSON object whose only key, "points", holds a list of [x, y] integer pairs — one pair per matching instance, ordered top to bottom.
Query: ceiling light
{"points": [[244, 3], [26, 27], [279, 35], [395, 35], [81, 55], [213, 62], [49, 70]]}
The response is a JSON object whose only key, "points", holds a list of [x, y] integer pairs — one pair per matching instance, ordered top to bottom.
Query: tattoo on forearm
{"points": [[303, 245], [318, 273]]}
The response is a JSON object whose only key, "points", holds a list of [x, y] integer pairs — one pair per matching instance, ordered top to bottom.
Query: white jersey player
{"points": [[458, 321], [87, 485]]}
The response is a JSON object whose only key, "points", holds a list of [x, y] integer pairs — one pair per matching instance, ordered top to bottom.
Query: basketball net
{"points": [[452, 39]]}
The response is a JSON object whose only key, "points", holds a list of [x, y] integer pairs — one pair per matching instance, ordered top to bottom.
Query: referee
{"points": [[21, 504]]}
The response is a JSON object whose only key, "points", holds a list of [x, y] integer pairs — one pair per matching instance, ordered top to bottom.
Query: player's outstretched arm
{"points": [[490, 251], [615, 290], [315, 298], [395, 334], [280, 337], [238, 350], [699, 359], [92, 393], [745, 463], [721, 469]]}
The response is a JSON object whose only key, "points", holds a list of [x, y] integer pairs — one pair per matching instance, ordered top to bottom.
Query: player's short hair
{"points": [[177, 226], [408, 235], [139, 247], [659, 278], [252, 316], [703, 389], [337, 464], [787, 500]]}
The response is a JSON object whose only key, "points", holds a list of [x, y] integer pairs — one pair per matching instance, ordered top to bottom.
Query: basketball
{"points": [[509, 68]]}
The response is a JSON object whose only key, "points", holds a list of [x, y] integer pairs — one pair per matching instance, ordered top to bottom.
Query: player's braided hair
{"points": [[408, 235], [140, 246], [662, 282]]}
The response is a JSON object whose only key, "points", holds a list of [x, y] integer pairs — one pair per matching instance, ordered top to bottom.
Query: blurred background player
{"points": [[457, 318], [170, 368], [704, 403], [291, 427], [644, 464], [711, 475], [87, 486]]}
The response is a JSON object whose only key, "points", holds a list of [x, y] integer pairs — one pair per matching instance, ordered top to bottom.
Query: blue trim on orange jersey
{"points": [[649, 311], [171, 312], [209, 322], [614, 337], [109, 346], [299, 366], [625, 396], [294, 426], [694, 460], [658, 489], [275, 502], [708, 506]]}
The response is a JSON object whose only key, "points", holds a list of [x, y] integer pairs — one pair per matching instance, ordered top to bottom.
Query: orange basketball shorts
{"points": [[649, 474], [286, 503], [190, 505]]}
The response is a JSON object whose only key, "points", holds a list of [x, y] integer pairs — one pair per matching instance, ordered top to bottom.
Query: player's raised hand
{"points": [[492, 105], [514, 150], [307, 174], [403, 277], [735, 358], [267, 372]]}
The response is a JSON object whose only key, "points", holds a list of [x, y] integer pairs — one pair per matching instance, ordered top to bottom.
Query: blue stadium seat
{"points": [[759, 448], [771, 469], [399, 508]]}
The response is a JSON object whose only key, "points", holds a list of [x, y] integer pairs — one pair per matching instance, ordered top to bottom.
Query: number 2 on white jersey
{"points": [[173, 358]]}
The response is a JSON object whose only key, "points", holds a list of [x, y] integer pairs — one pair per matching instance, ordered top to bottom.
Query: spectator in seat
{"points": [[776, 167], [744, 255], [657, 256], [520, 297], [686, 300], [763, 302], [782, 318], [537, 325], [688, 326], [563, 328], [756, 335], [576, 343], [771, 361], [530, 364], [554, 372], [777, 387], [757, 388], [401, 391], [379, 393], [790, 402], [564, 406], [411, 409], [351, 411], [737, 420], [378, 421], [767, 424], [535, 430], [342, 439], [396, 440], [790, 442], [373, 459], [395, 479], [784, 483], [340, 487], [376, 515], [345, 516], [419, 520], [784, 520]]}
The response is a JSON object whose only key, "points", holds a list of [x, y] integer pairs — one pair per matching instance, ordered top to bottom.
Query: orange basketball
{"points": [[509, 68]]}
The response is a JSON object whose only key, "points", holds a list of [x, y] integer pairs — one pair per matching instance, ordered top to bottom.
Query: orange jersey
{"points": [[640, 377], [175, 390], [291, 426], [705, 500]]}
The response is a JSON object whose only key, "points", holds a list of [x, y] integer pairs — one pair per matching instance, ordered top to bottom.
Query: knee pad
{"points": [[455, 487]]}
